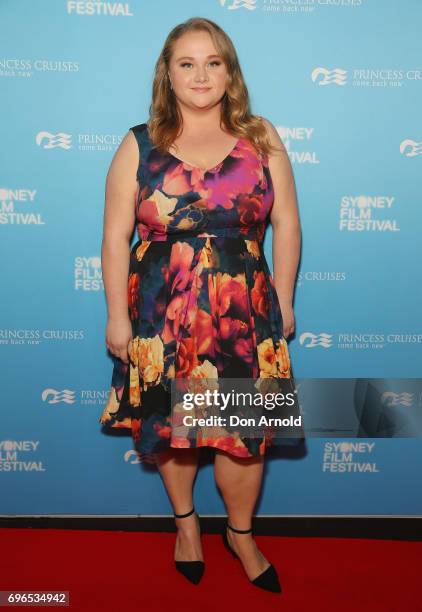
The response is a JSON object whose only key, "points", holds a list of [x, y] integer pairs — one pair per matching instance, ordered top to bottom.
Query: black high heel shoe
{"points": [[192, 570], [268, 580]]}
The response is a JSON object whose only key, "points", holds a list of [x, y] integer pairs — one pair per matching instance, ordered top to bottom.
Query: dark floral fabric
{"points": [[201, 297]]}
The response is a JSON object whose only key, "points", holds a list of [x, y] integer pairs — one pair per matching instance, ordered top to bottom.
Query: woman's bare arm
{"points": [[119, 220], [286, 228]]}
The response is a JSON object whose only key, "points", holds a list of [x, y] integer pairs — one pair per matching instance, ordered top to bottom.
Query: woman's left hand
{"points": [[288, 318]]}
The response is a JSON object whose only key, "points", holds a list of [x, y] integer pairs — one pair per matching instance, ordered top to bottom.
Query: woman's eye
{"points": [[217, 63]]}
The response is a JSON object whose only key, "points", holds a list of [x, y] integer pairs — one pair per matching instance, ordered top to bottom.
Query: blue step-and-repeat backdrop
{"points": [[341, 80]]}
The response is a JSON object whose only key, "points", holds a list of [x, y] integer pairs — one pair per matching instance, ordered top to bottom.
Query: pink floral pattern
{"points": [[201, 297]]}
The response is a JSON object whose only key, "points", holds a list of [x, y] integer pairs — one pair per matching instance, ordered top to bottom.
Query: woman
{"points": [[199, 180]]}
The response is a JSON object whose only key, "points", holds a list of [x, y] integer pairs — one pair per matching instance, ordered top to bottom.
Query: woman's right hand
{"points": [[119, 337]]}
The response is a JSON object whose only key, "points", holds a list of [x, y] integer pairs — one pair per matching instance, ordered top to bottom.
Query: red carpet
{"points": [[133, 571]]}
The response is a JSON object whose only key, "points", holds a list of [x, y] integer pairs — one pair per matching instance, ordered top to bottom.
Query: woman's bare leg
{"points": [[178, 467], [239, 481]]}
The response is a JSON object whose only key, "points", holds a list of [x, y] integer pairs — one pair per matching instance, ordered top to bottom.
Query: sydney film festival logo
{"points": [[88, 8], [298, 144], [18, 207], [367, 213], [88, 274], [18, 456], [349, 457]]}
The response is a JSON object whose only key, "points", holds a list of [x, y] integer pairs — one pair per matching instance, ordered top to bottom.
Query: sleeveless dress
{"points": [[201, 298]]}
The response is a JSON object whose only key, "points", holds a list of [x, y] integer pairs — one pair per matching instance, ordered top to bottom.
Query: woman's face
{"points": [[197, 73]]}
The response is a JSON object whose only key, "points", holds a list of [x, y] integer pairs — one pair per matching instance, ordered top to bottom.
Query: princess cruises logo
{"points": [[232, 5], [290, 6], [24, 68], [323, 76], [365, 77], [47, 140], [83, 142], [410, 148], [320, 276], [31, 337], [310, 340], [356, 341], [54, 396], [85, 397], [389, 398], [131, 456]]}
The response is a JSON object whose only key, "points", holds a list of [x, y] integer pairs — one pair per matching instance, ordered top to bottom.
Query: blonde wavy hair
{"points": [[165, 119]]}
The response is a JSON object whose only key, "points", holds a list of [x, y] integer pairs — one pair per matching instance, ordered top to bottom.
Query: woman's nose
{"points": [[201, 75]]}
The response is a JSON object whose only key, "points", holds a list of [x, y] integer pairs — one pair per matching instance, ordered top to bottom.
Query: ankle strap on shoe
{"points": [[185, 515], [239, 530]]}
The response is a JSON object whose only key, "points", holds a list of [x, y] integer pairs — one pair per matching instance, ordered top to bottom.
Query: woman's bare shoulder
{"points": [[273, 136], [125, 160]]}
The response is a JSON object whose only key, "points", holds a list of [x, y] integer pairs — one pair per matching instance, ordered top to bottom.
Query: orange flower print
{"points": [[249, 208], [253, 248], [140, 251], [205, 258], [133, 289], [232, 295], [259, 295], [202, 328], [239, 335], [147, 354], [186, 358], [267, 359], [283, 359], [274, 361], [134, 389], [111, 407], [136, 429], [163, 431], [177, 442]]}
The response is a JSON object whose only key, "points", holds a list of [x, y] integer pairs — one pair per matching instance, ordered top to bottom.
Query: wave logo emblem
{"points": [[250, 5], [323, 76], [47, 140], [410, 148], [310, 340], [53, 396], [389, 398], [131, 456]]}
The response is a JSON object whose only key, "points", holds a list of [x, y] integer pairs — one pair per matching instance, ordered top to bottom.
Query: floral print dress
{"points": [[201, 298]]}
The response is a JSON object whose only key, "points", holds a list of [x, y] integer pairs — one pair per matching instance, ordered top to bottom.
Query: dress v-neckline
{"points": [[212, 167]]}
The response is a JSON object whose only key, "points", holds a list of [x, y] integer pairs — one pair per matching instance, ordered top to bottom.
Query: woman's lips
{"points": [[200, 89]]}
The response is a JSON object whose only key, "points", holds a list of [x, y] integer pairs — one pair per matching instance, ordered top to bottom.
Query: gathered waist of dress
{"points": [[253, 233]]}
